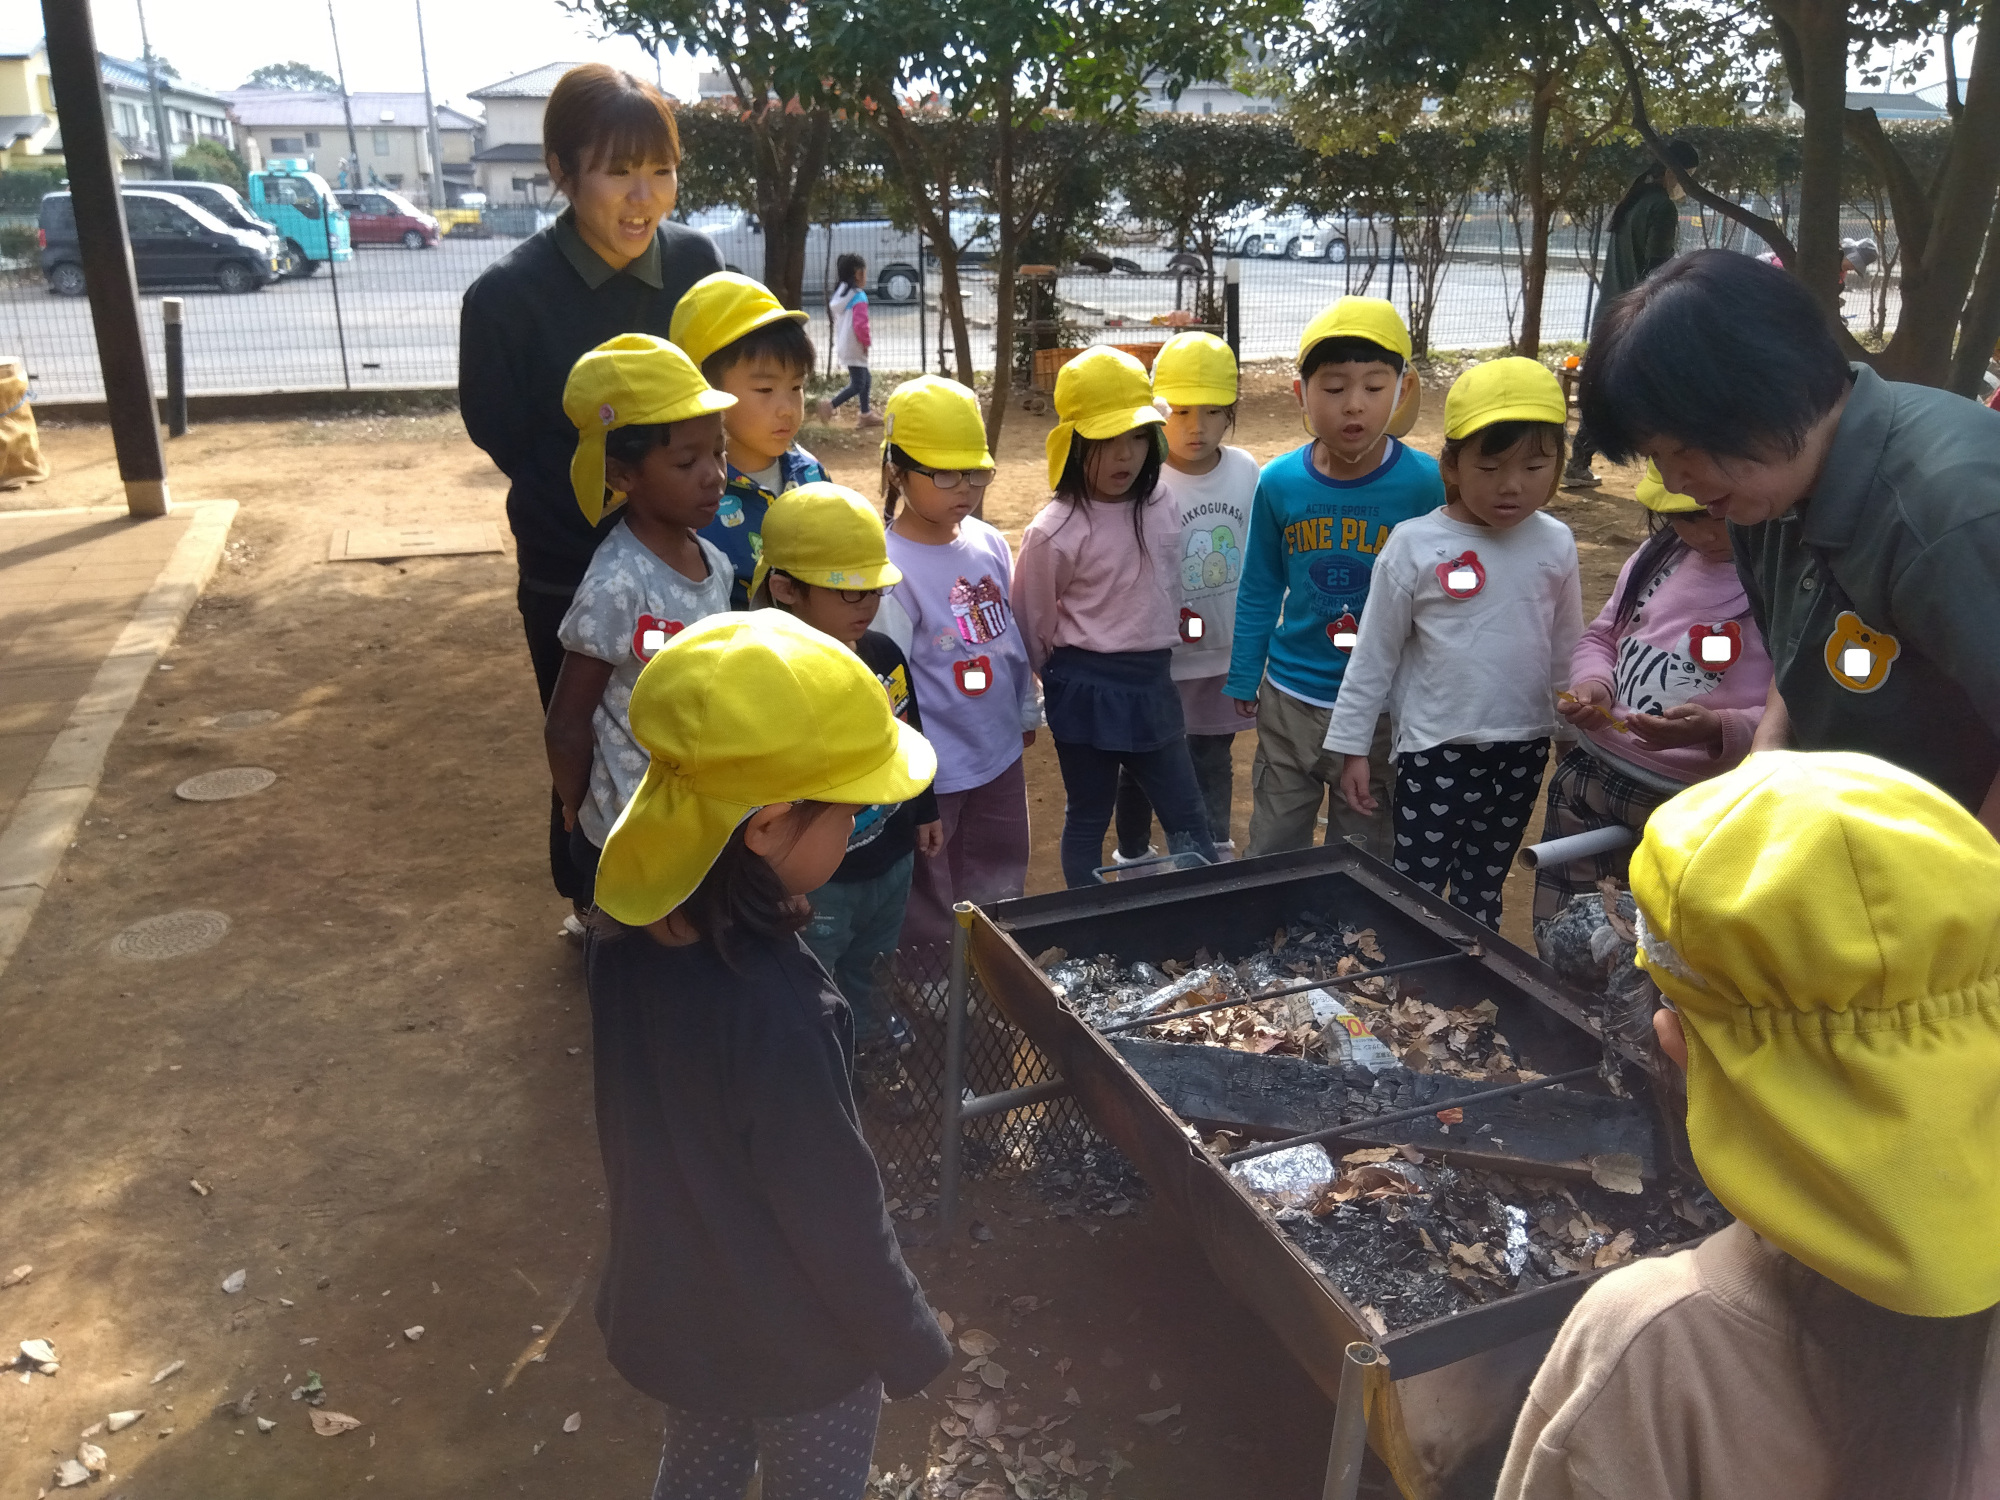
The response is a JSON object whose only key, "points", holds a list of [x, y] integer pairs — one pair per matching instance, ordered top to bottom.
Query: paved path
{"points": [[89, 599]]}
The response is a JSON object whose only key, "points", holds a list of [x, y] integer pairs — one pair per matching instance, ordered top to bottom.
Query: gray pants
{"points": [[1294, 775]]}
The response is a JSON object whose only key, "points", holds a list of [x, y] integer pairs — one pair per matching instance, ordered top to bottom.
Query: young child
{"points": [[847, 309], [753, 348], [1194, 383], [649, 427], [1320, 518], [826, 562], [1099, 593], [953, 615], [1466, 638], [1666, 686], [1826, 930], [753, 1282]]}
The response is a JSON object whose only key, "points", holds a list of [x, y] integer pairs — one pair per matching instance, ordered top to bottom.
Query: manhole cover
{"points": [[248, 718], [220, 786], [174, 935]]}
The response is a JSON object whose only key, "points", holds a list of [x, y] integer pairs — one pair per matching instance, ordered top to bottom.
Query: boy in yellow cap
{"points": [[750, 346], [1194, 385], [650, 430], [1321, 516], [826, 562], [953, 615], [1466, 641], [1667, 686], [1826, 928], [753, 1281]]}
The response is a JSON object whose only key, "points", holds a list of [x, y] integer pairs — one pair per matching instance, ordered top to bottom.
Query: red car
{"points": [[376, 216]]}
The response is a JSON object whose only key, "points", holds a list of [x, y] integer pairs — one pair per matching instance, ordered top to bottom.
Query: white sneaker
{"points": [[1225, 851], [1133, 859], [573, 928]]}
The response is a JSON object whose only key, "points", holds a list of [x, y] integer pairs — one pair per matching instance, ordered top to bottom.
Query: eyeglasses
{"points": [[951, 479], [847, 596]]}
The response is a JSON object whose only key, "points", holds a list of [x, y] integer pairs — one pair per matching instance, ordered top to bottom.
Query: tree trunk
{"points": [[1821, 29], [791, 155], [917, 169], [1536, 274], [1003, 279], [1981, 329]]}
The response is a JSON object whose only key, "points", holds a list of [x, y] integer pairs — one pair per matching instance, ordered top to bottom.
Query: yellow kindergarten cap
{"points": [[722, 307], [1369, 318], [1195, 369], [631, 379], [1503, 390], [1099, 394], [938, 423], [1654, 494], [824, 534], [740, 711], [1828, 926]]}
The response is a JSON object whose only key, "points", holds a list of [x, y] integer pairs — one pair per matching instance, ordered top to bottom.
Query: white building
{"points": [[192, 114], [510, 166]]}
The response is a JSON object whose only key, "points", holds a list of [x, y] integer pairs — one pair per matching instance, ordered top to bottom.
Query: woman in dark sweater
{"points": [[611, 264], [753, 1282]]}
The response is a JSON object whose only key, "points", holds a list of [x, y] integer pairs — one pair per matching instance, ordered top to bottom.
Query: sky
{"points": [[472, 42]]}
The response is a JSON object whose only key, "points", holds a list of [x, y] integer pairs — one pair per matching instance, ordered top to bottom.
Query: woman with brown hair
{"points": [[612, 263]]}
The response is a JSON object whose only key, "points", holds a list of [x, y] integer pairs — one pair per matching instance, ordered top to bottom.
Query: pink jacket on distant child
{"points": [[1660, 660]]}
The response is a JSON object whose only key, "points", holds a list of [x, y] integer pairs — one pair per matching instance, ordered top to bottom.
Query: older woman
{"points": [[611, 264]]}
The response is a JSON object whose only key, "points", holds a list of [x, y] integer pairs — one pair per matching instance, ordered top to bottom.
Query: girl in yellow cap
{"points": [[1194, 384], [826, 562], [1099, 591], [953, 615], [1466, 639], [1666, 688], [1827, 930], [753, 1283]]}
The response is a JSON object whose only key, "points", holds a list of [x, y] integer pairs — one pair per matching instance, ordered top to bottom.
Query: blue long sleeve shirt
{"points": [[1313, 543]]}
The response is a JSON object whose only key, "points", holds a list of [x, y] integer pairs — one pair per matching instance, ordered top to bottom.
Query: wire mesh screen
{"points": [[901, 1092]]}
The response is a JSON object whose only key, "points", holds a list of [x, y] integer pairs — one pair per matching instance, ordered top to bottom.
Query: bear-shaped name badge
{"points": [[1462, 576], [1193, 627], [1343, 632], [649, 634], [1716, 648], [1858, 657], [974, 674]]}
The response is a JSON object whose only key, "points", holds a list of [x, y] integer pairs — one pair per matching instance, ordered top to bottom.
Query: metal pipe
{"points": [[1232, 305], [177, 394], [1577, 846], [1290, 989], [1011, 1099], [951, 1106], [1402, 1116], [1350, 1424]]}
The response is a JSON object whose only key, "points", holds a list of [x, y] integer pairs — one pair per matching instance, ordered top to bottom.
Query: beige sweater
{"points": [[1673, 1379]]}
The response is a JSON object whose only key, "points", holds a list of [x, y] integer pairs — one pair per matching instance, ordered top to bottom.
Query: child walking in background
{"points": [[847, 309], [752, 347], [1194, 382], [650, 429], [1317, 526], [826, 562], [1098, 588], [953, 615], [1467, 636], [1666, 686], [753, 1282]]}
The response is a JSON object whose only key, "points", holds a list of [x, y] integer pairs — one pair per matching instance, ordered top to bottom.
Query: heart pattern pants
{"points": [[1461, 812]]}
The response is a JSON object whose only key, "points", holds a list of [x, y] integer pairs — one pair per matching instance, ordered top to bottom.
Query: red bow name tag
{"points": [[1463, 576], [1193, 626], [1343, 632], [649, 635], [1716, 648], [974, 674]]}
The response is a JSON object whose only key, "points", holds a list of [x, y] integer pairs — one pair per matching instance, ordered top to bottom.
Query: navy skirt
{"points": [[1116, 700]]}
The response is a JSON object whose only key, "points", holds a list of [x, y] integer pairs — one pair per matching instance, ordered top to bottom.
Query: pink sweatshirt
{"points": [[1082, 581], [1658, 662]]}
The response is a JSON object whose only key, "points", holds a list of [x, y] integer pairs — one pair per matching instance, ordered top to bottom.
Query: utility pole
{"points": [[159, 104], [346, 106], [430, 115]]}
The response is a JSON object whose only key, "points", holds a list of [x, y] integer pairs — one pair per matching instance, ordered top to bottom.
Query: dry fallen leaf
{"points": [[1451, 1116], [1373, 1153], [1617, 1172], [1617, 1252], [1472, 1255], [1372, 1317], [945, 1322], [977, 1342], [994, 1375], [1070, 1396], [1155, 1418], [986, 1420], [573, 1422], [333, 1423]]}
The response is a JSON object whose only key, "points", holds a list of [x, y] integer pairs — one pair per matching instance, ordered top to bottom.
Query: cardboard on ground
{"points": [[378, 543]]}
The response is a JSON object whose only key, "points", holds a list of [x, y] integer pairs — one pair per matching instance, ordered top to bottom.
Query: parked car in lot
{"points": [[298, 201], [227, 205], [376, 216], [175, 242]]}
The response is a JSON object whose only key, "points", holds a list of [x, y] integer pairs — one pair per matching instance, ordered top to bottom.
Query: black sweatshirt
{"points": [[527, 319], [884, 835], [752, 1270]]}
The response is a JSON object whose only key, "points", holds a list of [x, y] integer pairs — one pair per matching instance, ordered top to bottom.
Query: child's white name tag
{"points": [[1464, 580], [1195, 627], [1345, 639], [652, 640], [1716, 648], [1857, 662]]}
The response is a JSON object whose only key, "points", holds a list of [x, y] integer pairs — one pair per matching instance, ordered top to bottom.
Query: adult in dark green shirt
{"points": [[1645, 231], [1865, 513]]}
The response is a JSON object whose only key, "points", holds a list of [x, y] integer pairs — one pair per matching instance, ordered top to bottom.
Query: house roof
{"points": [[124, 73], [536, 83], [1897, 106], [320, 108], [452, 119], [512, 151]]}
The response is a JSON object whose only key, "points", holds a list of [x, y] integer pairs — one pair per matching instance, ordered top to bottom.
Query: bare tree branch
{"points": [[1908, 201]]}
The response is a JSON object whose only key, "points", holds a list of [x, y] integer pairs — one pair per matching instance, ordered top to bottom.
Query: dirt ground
{"points": [[380, 1076]]}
